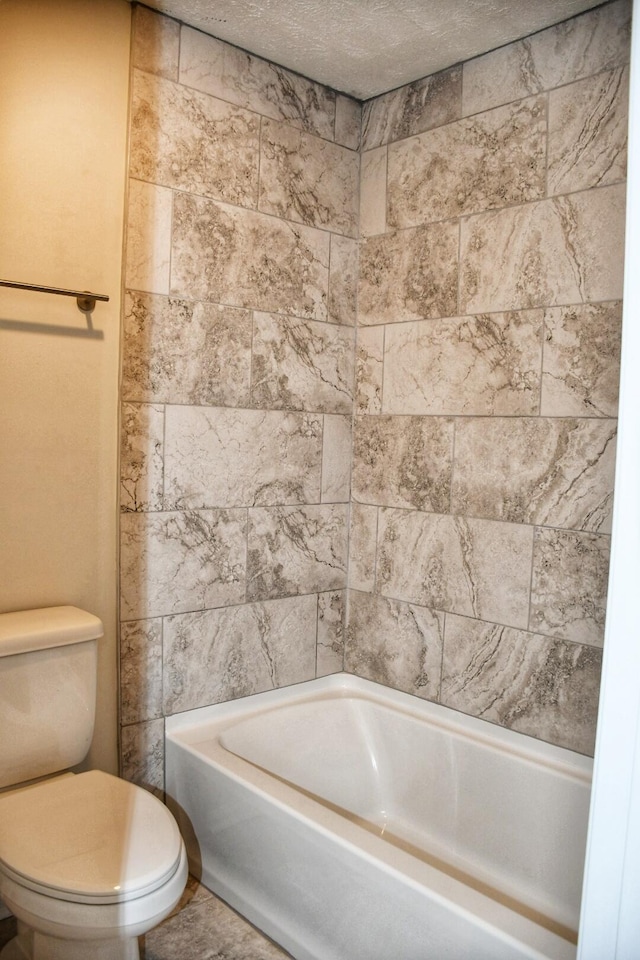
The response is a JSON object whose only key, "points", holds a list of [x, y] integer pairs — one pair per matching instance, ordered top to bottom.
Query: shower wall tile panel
{"points": [[491, 225], [480, 318], [238, 379]]}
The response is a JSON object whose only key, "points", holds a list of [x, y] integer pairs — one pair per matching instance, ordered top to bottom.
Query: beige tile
{"points": [[156, 43], [585, 45], [248, 81], [413, 108], [348, 122], [588, 132], [186, 140], [491, 160], [307, 179], [373, 192], [148, 237], [565, 250], [247, 259], [409, 275], [343, 280], [183, 351], [485, 364], [581, 364], [301, 365], [369, 368], [141, 457], [221, 457], [336, 459], [403, 462], [557, 472], [363, 532], [296, 550], [173, 562], [472, 567], [569, 586], [330, 643], [397, 644], [217, 655], [140, 671], [536, 685], [142, 754]]}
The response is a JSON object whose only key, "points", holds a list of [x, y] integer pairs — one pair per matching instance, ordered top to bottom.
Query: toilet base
{"points": [[31, 945]]}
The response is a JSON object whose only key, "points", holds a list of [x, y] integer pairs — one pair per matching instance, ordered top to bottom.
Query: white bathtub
{"points": [[352, 822]]}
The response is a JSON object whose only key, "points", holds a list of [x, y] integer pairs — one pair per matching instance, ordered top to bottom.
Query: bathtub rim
{"points": [[189, 730]]}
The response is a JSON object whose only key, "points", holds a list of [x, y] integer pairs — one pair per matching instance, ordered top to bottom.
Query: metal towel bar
{"points": [[86, 300]]}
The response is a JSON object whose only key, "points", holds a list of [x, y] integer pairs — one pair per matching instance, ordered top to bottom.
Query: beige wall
{"points": [[64, 73]]}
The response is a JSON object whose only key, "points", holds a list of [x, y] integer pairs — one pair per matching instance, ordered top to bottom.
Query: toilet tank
{"points": [[48, 672]]}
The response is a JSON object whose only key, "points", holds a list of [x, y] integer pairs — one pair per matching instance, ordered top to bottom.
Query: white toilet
{"points": [[88, 862]]}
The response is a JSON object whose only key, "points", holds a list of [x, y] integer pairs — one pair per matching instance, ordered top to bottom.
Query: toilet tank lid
{"points": [[26, 630]]}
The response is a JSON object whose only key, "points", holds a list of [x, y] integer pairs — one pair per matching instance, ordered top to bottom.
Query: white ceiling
{"points": [[366, 47]]}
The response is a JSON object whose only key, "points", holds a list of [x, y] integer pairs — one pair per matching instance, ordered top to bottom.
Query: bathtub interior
{"points": [[502, 813]]}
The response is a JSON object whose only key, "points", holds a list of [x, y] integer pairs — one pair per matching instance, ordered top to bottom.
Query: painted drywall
{"points": [[64, 75]]}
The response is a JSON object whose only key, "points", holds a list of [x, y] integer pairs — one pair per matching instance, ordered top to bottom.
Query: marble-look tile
{"points": [[156, 43], [585, 45], [232, 74], [412, 109], [348, 122], [588, 132], [186, 140], [491, 160], [307, 179], [373, 192], [568, 249], [148, 256], [248, 259], [409, 275], [343, 280], [183, 351], [581, 360], [485, 364], [301, 365], [369, 367], [141, 457], [217, 457], [336, 459], [403, 462], [554, 472], [363, 533], [296, 550], [174, 562], [473, 567], [569, 585], [330, 643], [397, 644], [218, 655], [140, 671], [536, 685], [142, 754], [209, 930]]}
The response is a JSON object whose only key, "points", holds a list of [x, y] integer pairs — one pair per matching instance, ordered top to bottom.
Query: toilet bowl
{"points": [[88, 862]]}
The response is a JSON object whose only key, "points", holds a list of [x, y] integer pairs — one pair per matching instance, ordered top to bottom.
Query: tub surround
{"points": [[452, 280]]}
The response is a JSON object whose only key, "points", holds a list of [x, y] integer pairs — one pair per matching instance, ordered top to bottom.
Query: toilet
{"points": [[88, 862]]}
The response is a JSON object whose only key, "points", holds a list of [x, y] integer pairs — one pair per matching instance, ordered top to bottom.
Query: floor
{"points": [[201, 927]]}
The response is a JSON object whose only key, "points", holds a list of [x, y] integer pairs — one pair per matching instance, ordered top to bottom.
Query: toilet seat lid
{"points": [[88, 838]]}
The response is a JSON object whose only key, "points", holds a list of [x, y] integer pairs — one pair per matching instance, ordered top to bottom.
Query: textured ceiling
{"points": [[366, 47]]}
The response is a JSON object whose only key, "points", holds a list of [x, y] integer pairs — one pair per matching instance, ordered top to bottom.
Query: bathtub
{"points": [[352, 822]]}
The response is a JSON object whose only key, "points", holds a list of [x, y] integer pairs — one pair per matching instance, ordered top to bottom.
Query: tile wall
{"points": [[492, 215], [490, 235], [237, 387]]}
